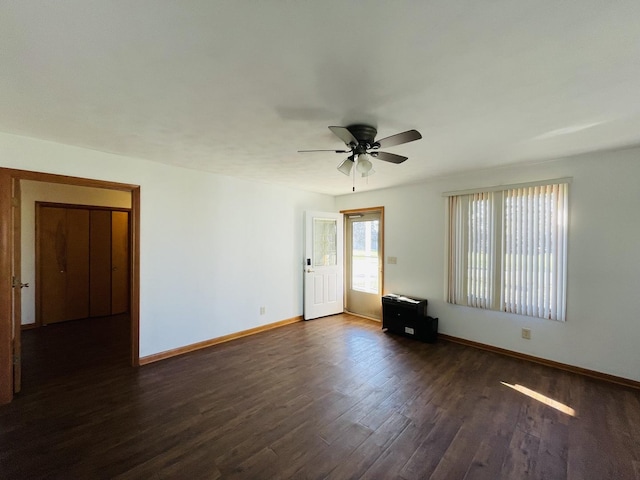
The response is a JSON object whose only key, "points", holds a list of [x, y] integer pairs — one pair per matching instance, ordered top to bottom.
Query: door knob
{"points": [[310, 271], [23, 285]]}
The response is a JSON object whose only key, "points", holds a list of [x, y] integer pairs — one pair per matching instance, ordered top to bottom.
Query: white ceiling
{"points": [[237, 87]]}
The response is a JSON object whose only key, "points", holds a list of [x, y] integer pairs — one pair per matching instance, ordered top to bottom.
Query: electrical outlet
{"points": [[392, 260], [263, 310], [526, 333]]}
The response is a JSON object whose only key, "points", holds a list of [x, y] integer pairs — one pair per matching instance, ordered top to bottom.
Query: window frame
{"points": [[477, 240]]}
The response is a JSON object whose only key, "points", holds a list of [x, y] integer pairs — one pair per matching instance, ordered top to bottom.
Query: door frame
{"points": [[7, 177], [346, 256], [16, 283]]}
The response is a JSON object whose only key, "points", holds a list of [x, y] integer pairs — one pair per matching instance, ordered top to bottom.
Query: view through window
{"points": [[365, 258]]}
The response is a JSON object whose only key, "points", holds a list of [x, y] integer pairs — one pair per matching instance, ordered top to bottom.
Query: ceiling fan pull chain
{"points": [[354, 170], [354, 179]]}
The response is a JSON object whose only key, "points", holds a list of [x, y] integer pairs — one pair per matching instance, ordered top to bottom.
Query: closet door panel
{"points": [[52, 258], [119, 262], [100, 263], [77, 288]]}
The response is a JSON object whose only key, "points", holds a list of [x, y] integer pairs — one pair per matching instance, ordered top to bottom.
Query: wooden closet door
{"points": [[52, 261], [119, 262], [63, 264], [100, 264], [77, 294]]}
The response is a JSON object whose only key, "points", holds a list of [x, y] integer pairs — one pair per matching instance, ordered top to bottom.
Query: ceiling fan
{"points": [[362, 145]]}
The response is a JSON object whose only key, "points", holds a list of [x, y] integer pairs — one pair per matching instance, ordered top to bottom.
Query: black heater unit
{"points": [[408, 316]]}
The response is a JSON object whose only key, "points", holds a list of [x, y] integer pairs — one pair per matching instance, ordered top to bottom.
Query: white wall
{"points": [[30, 192], [214, 249], [603, 313]]}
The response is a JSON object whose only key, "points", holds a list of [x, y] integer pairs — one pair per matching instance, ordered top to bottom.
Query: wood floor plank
{"points": [[370, 397], [331, 398], [617, 420], [500, 422], [273, 423], [549, 427], [593, 442], [297, 448], [553, 449], [369, 450], [461, 452], [426, 458], [327, 459], [521, 459], [390, 463], [261, 465]]}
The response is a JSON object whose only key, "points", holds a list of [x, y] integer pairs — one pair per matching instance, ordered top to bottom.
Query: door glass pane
{"points": [[325, 233], [365, 266]]}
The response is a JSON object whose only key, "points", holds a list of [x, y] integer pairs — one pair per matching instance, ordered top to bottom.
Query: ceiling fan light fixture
{"points": [[346, 166], [365, 167], [369, 173]]}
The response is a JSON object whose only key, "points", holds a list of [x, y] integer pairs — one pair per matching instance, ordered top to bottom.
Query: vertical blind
{"points": [[481, 250], [508, 250], [456, 291]]}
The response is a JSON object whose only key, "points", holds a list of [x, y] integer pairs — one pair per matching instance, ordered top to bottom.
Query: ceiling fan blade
{"points": [[345, 135], [398, 139], [334, 151], [388, 157]]}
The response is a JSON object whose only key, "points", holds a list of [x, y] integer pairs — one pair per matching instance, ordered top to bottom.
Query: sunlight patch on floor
{"points": [[542, 398]]}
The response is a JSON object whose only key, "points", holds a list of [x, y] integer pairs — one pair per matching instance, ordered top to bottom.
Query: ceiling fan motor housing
{"points": [[365, 134]]}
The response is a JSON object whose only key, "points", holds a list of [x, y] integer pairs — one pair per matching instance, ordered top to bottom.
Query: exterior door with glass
{"points": [[364, 263], [323, 267]]}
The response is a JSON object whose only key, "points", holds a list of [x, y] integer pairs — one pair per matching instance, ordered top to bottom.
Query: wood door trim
{"points": [[6, 177], [68, 180], [81, 206], [362, 210], [36, 261], [134, 272], [17, 288], [6, 322]]}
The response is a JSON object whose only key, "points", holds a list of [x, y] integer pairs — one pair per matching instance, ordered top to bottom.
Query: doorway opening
{"points": [[364, 254], [81, 261], [11, 270]]}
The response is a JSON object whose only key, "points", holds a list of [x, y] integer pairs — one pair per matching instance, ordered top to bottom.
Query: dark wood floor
{"points": [[330, 398]]}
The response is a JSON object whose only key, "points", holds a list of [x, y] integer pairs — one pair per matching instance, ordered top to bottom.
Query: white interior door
{"points": [[323, 267]]}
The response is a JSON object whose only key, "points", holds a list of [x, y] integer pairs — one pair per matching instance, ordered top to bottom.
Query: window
{"points": [[324, 242], [508, 250], [365, 261]]}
